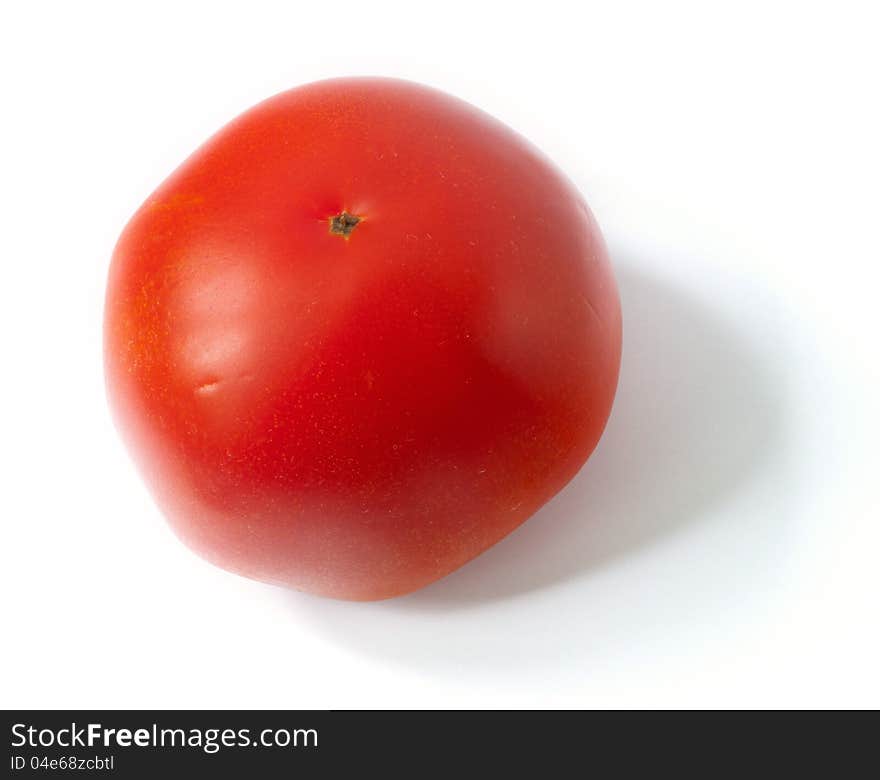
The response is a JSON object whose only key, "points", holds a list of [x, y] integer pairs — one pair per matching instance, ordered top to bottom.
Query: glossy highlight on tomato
{"points": [[358, 337]]}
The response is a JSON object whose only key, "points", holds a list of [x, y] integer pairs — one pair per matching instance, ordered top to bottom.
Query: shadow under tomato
{"points": [[696, 416]]}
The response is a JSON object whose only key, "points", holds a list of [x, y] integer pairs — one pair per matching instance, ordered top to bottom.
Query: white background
{"points": [[721, 547]]}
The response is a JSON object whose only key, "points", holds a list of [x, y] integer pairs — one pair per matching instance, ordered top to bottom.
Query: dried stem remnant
{"points": [[343, 224]]}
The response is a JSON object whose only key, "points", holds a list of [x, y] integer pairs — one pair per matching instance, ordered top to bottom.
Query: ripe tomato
{"points": [[358, 337]]}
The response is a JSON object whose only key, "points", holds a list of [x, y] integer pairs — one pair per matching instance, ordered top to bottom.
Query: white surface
{"points": [[720, 549]]}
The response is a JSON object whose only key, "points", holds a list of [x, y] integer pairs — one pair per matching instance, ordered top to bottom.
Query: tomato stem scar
{"points": [[343, 224]]}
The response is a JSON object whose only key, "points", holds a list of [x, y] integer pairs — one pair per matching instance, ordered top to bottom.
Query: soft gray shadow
{"points": [[694, 417], [696, 426]]}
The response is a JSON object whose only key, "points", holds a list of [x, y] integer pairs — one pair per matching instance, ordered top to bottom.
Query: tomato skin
{"points": [[360, 415]]}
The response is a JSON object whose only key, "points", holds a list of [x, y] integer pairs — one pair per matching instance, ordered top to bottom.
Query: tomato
{"points": [[358, 337]]}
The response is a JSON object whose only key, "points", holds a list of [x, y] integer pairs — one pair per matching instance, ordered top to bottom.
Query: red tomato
{"points": [[358, 337]]}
